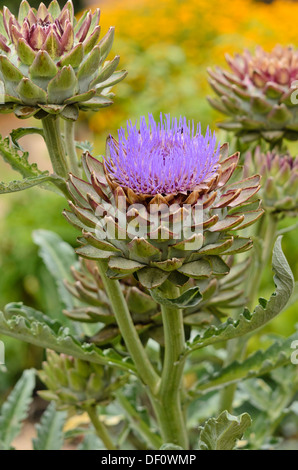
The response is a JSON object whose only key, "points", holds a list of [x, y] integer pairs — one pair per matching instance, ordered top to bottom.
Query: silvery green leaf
{"points": [[26, 183], [58, 257], [262, 314], [26, 327], [259, 363], [15, 408], [50, 429], [224, 432], [170, 447]]}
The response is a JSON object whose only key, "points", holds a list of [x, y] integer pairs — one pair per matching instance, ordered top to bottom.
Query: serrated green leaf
{"points": [[17, 134], [18, 162], [26, 183], [261, 315], [26, 327], [259, 363], [16, 407], [50, 429], [224, 432]]}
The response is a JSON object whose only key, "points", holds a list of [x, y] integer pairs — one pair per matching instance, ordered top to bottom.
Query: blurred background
{"points": [[166, 46]]}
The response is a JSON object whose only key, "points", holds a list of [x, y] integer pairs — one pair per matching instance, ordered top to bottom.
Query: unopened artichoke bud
{"points": [[52, 63], [259, 94], [279, 190], [163, 204], [75, 383]]}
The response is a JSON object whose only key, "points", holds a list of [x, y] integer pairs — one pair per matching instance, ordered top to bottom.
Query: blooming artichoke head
{"points": [[51, 63], [258, 93], [279, 191], [163, 204], [75, 383]]}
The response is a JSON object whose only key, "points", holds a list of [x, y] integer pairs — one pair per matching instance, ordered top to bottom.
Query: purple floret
{"points": [[165, 157]]}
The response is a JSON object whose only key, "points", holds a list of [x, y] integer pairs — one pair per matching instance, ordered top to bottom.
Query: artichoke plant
{"points": [[50, 63], [258, 94], [169, 170], [279, 173], [219, 297], [75, 383]]}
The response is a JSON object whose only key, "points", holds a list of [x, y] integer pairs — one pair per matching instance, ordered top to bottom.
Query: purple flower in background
{"points": [[164, 157]]}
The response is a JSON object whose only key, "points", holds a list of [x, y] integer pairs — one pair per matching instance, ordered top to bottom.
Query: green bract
{"points": [[52, 63], [259, 94], [279, 190], [73, 382]]}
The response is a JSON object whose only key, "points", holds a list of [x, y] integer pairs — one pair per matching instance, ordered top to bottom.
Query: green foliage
{"points": [[18, 161], [26, 183], [58, 257], [189, 298], [262, 314], [27, 324], [256, 365], [271, 401], [15, 409], [50, 430], [224, 432], [170, 447]]}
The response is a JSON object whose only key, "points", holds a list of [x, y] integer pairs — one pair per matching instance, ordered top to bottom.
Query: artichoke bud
{"points": [[50, 63], [258, 94], [279, 190], [77, 382]]}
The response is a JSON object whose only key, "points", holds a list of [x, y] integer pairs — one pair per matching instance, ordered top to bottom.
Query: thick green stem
{"points": [[54, 142], [70, 144], [128, 331], [168, 401], [100, 428], [152, 439]]}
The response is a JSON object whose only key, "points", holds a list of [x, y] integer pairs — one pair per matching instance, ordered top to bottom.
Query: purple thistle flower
{"points": [[167, 157]]}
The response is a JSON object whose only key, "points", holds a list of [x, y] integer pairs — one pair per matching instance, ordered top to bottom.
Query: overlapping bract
{"points": [[52, 63], [258, 94], [279, 190], [159, 251], [219, 297], [75, 383]]}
